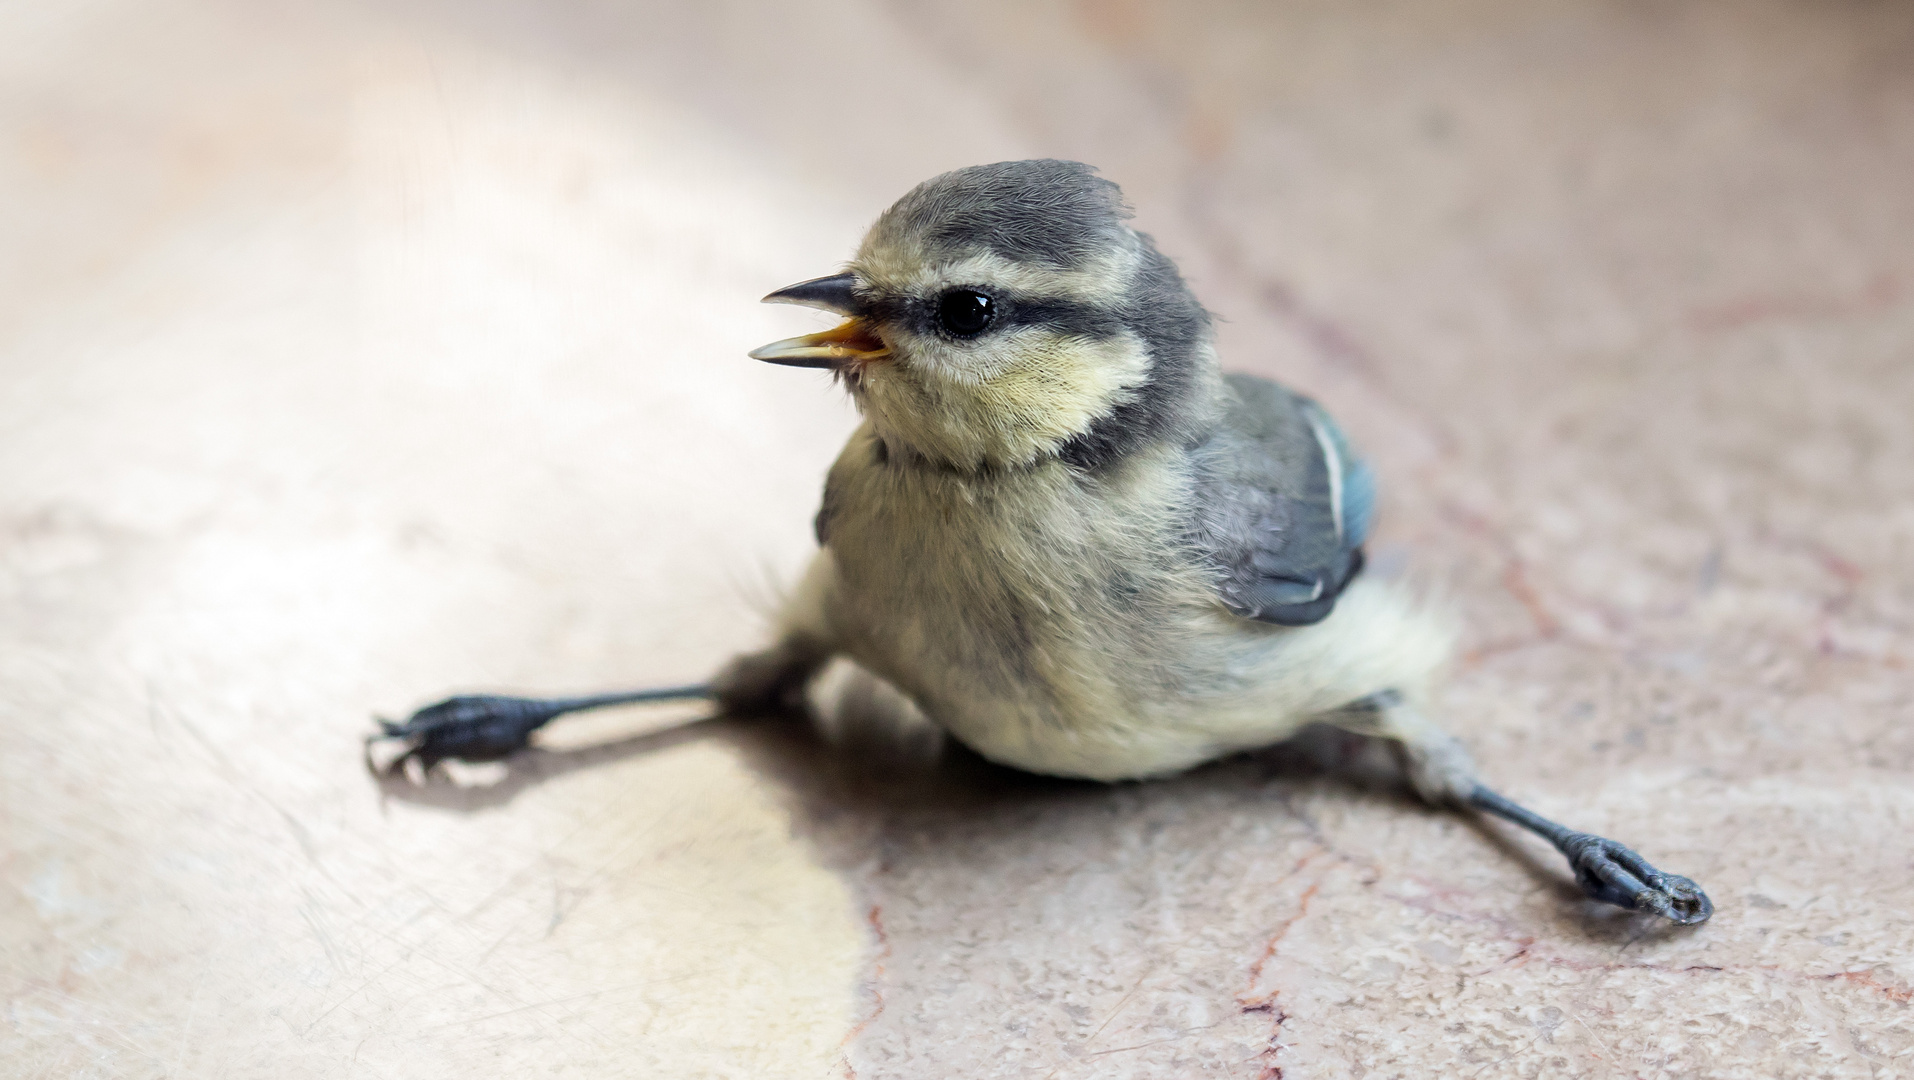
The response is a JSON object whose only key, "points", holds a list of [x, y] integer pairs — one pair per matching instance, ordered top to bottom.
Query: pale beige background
{"points": [[357, 353]]}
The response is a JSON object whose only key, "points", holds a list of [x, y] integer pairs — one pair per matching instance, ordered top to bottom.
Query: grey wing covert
{"points": [[1283, 505]]}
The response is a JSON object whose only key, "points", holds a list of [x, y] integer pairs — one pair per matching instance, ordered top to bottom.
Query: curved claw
{"points": [[396, 767], [1609, 872]]}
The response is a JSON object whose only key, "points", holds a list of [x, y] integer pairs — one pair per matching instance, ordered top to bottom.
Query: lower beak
{"points": [[855, 342], [852, 343]]}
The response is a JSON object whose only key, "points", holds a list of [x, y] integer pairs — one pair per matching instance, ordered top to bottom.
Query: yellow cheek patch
{"points": [[1007, 401]]}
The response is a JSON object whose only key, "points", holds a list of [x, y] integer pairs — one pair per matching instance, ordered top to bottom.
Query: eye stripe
{"points": [[1011, 309], [1068, 316]]}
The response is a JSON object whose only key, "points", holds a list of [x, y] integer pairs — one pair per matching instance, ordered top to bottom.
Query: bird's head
{"points": [[1002, 314]]}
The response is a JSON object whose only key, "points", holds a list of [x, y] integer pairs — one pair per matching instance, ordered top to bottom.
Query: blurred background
{"points": [[356, 353]]}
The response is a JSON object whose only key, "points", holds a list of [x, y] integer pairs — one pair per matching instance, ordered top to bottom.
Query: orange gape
{"points": [[853, 342]]}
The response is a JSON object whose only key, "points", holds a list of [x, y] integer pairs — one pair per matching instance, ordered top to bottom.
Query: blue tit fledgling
{"points": [[1068, 537]]}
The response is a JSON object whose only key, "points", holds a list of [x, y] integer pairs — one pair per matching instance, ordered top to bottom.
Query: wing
{"points": [[1283, 505]]}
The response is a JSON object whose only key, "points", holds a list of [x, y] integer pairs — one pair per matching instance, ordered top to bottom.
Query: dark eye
{"points": [[963, 312]]}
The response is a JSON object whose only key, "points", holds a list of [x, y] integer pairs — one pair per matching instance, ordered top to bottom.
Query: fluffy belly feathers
{"points": [[1085, 644]]}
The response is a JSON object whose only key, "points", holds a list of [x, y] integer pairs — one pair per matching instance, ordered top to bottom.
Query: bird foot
{"points": [[468, 728], [1614, 874]]}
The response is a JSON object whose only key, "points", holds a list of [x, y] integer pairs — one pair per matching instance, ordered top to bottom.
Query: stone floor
{"points": [[357, 353]]}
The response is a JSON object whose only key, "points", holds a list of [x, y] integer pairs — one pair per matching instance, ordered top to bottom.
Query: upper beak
{"points": [[854, 341]]}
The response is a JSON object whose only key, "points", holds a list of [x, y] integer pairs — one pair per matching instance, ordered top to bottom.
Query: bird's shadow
{"points": [[825, 764], [873, 766], [440, 789]]}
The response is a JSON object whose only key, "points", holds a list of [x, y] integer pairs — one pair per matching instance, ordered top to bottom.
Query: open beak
{"points": [[852, 343]]}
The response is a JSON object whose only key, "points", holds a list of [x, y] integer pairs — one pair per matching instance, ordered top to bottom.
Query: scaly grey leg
{"points": [[485, 727], [1441, 772], [1605, 869]]}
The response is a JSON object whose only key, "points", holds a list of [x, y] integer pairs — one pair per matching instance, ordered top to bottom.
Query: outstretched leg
{"points": [[487, 727], [1441, 772], [1605, 869]]}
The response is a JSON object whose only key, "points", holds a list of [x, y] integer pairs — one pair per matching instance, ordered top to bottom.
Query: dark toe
{"points": [[468, 728], [1614, 874], [1678, 899]]}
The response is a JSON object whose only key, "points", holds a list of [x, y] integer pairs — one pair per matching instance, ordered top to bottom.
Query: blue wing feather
{"points": [[1358, 482]]}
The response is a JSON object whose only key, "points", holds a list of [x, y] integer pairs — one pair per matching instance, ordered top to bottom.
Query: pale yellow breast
{"points": [[1055, 624]]}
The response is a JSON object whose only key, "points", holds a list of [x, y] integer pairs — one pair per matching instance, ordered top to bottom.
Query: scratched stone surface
{"points": [[355, 354]]}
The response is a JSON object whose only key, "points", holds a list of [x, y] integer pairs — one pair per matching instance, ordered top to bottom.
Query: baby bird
{"points": [[1068, 537]]}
